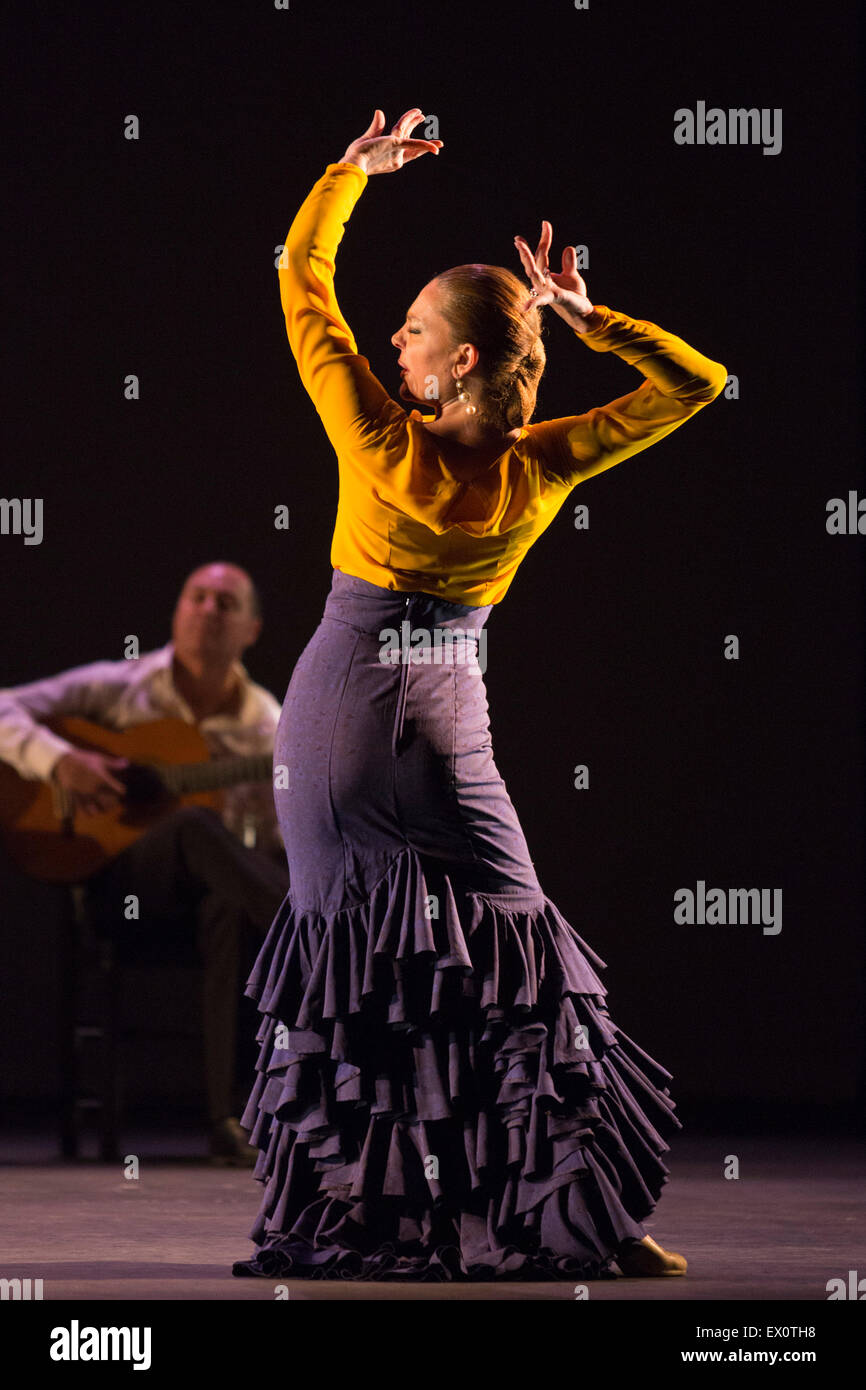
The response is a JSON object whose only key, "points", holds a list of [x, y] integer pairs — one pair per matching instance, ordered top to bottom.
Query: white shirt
{"points": [[120, 694]]}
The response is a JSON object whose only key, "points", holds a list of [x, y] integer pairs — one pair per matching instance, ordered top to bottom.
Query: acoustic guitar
{"points": [[170, 765]]}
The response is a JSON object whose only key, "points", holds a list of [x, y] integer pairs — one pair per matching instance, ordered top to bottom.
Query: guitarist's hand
{"points": [[88, 776]]}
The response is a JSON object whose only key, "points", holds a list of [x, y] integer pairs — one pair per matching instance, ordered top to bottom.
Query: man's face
{"points": [[214, 618]]}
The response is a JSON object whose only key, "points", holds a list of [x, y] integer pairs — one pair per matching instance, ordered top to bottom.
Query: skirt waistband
{"points": [[370, 607], [409, 616]]}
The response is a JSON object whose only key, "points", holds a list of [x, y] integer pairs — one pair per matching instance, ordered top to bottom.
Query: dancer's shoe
{"points": [[641, 1259]]}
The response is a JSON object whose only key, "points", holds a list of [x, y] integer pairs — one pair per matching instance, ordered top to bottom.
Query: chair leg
{"points": [[80, 948], [90, 1011], [110, 1061], [70, 1130]]}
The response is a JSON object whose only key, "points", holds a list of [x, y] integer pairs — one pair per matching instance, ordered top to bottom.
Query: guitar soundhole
{"points": [[144, 786]]}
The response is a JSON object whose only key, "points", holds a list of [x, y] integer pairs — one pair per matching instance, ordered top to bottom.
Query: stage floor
{"points": [[792, 1220]]}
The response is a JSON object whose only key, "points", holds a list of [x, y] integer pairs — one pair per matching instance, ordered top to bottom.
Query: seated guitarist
{"points": [[191, 870]]}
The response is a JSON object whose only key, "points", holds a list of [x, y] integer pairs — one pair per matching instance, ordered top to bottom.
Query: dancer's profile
{"points": [[441, 1092]]}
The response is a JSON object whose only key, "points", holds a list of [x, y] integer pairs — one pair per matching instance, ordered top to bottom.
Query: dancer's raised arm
{"points": [[678, 382], [350, 399]]}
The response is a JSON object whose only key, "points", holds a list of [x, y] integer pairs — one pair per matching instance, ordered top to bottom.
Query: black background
{"points": [[156, 257]]}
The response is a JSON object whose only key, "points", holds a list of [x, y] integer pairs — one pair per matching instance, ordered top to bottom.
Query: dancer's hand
{"points": [[377, 153], [564, 290]]}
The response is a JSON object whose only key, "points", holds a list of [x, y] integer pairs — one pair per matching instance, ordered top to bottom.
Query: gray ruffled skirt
{"points": [[440, 1091]]}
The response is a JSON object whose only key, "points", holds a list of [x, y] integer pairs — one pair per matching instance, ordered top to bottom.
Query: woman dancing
{"points": [[440, 1091]]}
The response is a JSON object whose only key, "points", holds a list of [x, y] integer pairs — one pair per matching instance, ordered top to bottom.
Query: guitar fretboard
{"points": [[181, 778]]}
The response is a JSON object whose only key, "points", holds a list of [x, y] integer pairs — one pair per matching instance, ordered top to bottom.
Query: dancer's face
{"points": [[427, 354]]}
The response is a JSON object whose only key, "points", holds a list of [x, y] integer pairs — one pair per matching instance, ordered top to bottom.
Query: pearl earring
{"points": [[464, 397]]}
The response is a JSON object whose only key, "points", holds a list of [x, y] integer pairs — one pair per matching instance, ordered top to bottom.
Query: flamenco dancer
{"points": [[440, 1091]]}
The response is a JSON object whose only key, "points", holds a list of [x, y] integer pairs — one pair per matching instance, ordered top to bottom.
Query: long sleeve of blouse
{"points": [[403, 520]]}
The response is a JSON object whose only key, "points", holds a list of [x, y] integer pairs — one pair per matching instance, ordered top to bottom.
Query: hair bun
{"points": [[484, 305]]}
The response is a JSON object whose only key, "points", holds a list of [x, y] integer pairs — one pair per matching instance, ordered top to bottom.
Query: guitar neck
{"points": [[182, 778]]}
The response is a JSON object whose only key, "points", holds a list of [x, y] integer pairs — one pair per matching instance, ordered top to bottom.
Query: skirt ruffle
{"points": [[442, 1095]]}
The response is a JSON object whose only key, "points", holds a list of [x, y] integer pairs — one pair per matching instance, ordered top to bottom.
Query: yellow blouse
{"points": [[403, 521]]}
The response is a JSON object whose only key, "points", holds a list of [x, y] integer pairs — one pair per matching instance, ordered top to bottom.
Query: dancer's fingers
{"points": [[407, 122], [375, 125], [411, 149], [541, 253], [524, 256], [530, 263], [536, 275]]}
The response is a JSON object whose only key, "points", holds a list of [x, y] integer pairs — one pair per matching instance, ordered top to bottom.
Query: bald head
{"points": [[227, 579], [218, 614]]}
